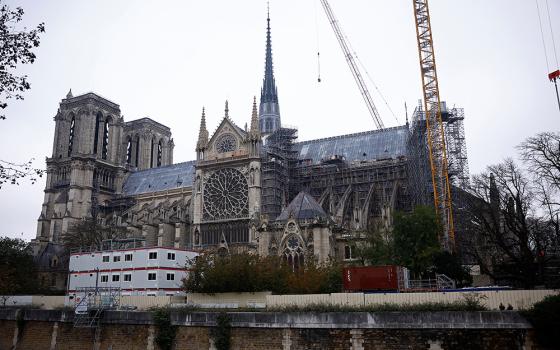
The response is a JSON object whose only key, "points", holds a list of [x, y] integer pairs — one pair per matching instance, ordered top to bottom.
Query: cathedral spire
{"points": [[269, 111], [255, 119], [203, 133]]}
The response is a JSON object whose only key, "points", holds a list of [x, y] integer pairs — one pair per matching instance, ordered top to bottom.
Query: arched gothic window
{"points": [[268, 125], [96, 135], [71, 137], [105, 139], [137, 143], [129, 151], [159, 153], [152, 154], [293, 253]]}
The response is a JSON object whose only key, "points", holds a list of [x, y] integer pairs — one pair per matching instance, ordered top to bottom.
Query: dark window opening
{"points": [[96, 135], [71, 138], [105, 140], [129, 152], [159, 153], [152, 155], [136, 161]]}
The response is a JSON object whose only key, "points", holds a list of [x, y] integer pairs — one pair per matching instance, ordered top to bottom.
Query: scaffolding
{"points": [[278, 160], [419, 166], [92, 302]]}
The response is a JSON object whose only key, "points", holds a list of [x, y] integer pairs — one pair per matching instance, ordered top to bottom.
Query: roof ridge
{"points": [[352, 135]]}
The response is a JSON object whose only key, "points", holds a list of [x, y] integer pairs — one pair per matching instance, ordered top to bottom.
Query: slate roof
{"points": [[375, 144], [160, 179], [302, 207]]}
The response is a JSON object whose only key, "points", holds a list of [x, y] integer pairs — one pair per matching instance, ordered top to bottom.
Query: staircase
{"points": [[93, 302]]}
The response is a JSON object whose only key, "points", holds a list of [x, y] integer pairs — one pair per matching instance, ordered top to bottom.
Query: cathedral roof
{"points": [[368, 145], [160, 179], [302, 207]]}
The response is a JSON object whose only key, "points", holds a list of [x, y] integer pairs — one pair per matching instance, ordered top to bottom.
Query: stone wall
{"points": [[42, 329]]}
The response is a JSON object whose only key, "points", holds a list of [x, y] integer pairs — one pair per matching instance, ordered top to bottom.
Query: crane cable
{"points": [[552, 34], [542, 36], [317, 39], [357, 59], [552, 76], [375, 86]]}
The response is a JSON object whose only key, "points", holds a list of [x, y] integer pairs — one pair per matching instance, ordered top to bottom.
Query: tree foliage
{"points": [[16, 48], [12, 173], [89, 233], [415, 239], [413, 243], [17, 270], [252, 273], [545, 318]]}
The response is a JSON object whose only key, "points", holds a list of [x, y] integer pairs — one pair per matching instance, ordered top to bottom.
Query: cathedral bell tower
{"points": [[85, 167]]}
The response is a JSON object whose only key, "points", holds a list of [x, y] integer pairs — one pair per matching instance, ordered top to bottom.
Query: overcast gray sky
{"points": [[168, 59]]}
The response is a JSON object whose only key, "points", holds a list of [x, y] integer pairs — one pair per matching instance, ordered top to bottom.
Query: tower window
{"points": [[96, 135], [71, 137], [105, 139], [137, 143], [129, 151], [159, 153], [152, 154]]}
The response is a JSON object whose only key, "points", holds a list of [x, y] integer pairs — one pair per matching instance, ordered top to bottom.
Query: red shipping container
{"points": [[371, 278]]}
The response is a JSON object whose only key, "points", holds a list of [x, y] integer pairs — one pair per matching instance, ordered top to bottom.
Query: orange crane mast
{"points": [[434, 125]]}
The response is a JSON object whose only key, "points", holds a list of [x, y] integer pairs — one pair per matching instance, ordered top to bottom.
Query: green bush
{"points": [[252, 273], [545, 318], [165, 331], [222, 332]]}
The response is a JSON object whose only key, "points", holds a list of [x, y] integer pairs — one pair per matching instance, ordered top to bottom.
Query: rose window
{"points": [[226, 143], [225, 195]]}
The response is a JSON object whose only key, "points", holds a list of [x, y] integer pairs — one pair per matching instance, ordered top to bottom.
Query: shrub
{"points": [[252, 273], [545, 318], [165, 331], [222, 333]]}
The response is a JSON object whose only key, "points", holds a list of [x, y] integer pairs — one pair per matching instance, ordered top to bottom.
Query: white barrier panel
{"points": [[518, 299], [15, 300]]}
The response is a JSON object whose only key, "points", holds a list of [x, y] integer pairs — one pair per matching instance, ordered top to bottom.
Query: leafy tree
{"points": [[16, 49], [12, 173], [89, 233], [415, 239], [376, 249], [17, 270], [252, 273], [545, 318]]}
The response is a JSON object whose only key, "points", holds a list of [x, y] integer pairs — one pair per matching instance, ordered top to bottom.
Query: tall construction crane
{"points": [[353, 67], [434, 125]]}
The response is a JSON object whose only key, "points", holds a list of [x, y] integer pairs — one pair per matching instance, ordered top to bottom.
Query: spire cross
{"points": [[226, 110]]}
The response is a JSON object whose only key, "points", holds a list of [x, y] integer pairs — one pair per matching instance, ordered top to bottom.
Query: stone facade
{"points": [[242, 192], [42, 329]]}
